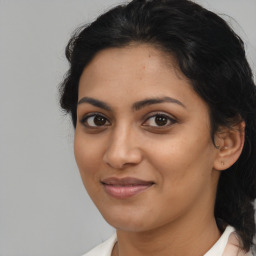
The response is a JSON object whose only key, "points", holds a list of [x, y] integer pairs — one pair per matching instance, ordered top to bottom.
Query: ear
{"points": [[229, 142]]}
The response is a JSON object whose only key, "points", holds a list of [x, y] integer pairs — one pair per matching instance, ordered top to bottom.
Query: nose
{"points": [[123, 150]]}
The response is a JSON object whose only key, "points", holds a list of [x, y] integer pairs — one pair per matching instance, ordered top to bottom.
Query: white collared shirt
{"points": [[227, 245]]}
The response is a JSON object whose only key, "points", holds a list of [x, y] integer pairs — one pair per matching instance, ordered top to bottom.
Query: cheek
{"points": [[87, 155], [183, 159], [185, 174]]}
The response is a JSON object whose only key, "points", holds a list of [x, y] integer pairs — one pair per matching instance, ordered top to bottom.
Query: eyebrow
{"points": [[94, 102], [140, 104], [136, 106]]}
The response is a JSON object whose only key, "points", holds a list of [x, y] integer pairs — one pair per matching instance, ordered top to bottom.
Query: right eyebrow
{"points": [[94, 102]]}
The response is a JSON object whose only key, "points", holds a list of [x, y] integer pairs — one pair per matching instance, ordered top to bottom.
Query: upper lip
{"points": [[125, 181]]}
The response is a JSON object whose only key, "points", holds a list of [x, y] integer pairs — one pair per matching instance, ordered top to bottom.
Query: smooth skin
{"points": [[126, 127]]}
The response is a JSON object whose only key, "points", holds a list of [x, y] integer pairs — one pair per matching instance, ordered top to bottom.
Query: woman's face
{"points": [[142, 141]]}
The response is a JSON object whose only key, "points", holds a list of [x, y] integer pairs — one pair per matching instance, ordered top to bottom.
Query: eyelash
{"points": [[84, 120], [170, 120]]}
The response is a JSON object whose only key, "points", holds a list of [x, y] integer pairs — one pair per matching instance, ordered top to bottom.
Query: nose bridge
{"points": [[122, 135], [122, 148]]}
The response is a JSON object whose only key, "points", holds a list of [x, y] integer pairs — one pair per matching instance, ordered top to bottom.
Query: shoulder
{"points": [[228, 245], [233, 246], [103, 249]]}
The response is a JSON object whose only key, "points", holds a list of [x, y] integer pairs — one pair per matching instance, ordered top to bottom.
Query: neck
{"points": [[192, 239]]}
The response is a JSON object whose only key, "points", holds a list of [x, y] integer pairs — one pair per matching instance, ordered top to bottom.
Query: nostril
{"points": [[122, 159]]}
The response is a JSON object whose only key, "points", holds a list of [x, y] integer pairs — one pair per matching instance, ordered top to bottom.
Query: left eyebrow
{"points": [[140, 104]]}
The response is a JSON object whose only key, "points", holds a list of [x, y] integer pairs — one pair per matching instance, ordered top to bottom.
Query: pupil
{"points": [[99, 120], [161, 120]]}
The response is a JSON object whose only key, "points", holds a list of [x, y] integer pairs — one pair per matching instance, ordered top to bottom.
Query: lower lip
{"points": [[122, 192]]}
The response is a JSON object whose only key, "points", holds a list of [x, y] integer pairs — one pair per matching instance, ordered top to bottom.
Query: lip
{"points": [[125, 187]]}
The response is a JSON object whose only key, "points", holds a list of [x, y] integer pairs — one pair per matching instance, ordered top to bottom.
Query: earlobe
{"points": [[229, 143]]}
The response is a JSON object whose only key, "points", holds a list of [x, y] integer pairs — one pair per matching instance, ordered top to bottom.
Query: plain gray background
{"points": [[44, 209]]}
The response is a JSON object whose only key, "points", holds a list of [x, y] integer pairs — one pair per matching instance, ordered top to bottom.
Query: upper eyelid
{"points": [[155, 113], [88, 115], [145, 117], [171, 119]]}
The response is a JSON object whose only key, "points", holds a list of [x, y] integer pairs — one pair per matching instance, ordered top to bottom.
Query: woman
{"points": [[164, 109]]}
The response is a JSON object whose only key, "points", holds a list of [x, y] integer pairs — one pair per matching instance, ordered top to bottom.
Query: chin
{"points": [[127, 221]]}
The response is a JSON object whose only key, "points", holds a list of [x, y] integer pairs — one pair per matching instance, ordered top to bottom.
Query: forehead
{"points": [[144, 54], [134, 63], [120, 77]]}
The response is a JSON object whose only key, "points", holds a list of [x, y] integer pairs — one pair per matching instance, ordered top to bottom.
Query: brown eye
{"points": [[99, 120], [159, 120], [95, 121]]}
